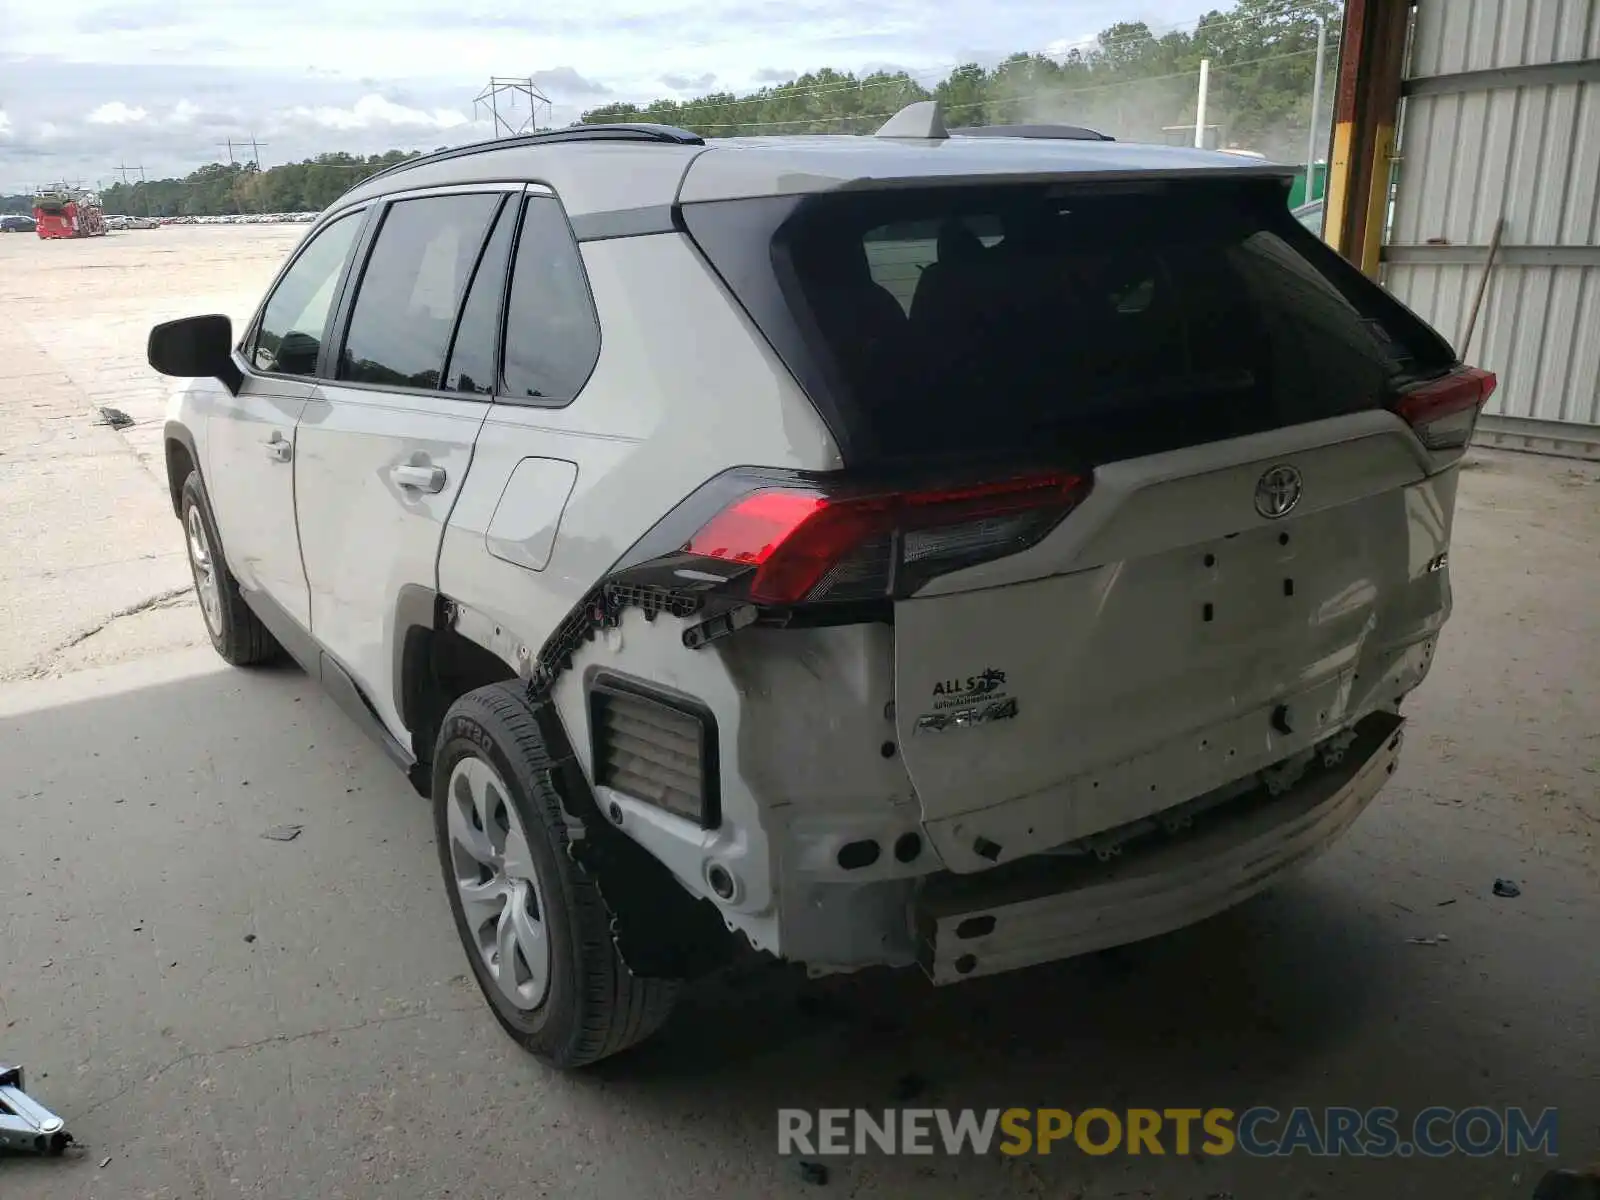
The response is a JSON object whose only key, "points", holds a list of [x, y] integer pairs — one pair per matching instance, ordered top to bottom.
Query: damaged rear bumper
{"points": [[1042, 908]]}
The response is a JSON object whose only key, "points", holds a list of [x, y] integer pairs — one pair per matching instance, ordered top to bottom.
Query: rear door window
{"points": [[412, 288], [473, 357]]}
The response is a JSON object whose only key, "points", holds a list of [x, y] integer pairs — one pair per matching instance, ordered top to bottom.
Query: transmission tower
{"points": [[501, 98], [255, 150], [140, 191]]}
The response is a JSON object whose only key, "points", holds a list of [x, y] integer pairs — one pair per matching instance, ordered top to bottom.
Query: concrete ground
{"points": [[94, 573], [219, 1014]]}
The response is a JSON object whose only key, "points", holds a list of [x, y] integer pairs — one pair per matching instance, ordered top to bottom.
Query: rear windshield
{"points": [[1113, 322]]}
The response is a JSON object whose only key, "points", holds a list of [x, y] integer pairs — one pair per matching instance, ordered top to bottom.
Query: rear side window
{"points": [[412, 288], [1110, 322], [552, 336], [288, 339]]}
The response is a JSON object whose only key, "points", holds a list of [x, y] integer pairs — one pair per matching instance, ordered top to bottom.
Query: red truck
{"points": [[68, 215]]}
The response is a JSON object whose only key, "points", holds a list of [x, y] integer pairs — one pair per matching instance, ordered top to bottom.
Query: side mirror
{"points": [[195, 348]]}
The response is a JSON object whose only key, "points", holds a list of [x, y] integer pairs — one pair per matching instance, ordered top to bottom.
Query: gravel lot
{"points": [[223, 1015]]}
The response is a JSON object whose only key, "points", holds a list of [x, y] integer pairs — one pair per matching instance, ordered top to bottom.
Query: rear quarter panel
{"points": [[685, 388]]}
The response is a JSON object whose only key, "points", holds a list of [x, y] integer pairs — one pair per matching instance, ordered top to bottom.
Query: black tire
{"points": [[236, 632], [593, 1006]]}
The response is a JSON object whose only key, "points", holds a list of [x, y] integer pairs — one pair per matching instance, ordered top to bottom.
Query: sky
{"points": [[91, 86]]}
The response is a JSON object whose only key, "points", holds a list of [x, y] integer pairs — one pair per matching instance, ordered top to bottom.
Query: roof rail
{"points": [[922, 120], [641, 131], [1076, 133]]}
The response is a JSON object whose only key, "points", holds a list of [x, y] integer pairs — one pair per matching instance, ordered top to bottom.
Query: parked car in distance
{"points": [[1310, 215], [17, 223], [909, 550]]}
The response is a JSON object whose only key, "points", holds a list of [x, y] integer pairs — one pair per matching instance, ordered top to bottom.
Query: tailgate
{"points": [[1168, 612]]}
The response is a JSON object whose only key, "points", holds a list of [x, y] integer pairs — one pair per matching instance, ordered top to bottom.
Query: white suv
{"points": [[913, 549]]}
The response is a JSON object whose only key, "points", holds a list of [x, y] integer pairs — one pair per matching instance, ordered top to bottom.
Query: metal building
{"points": [[1491, 119]]}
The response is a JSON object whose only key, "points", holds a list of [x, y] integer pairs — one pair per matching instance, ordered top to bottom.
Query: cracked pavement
{"points": [[218, 1014]]}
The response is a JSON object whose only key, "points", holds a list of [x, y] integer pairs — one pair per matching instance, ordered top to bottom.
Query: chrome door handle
{"points": [[278, 448], [417, 478]]}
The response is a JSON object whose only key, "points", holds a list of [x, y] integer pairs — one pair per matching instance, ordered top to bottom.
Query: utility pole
{"points": [[1200, 105], [1312, 139]]}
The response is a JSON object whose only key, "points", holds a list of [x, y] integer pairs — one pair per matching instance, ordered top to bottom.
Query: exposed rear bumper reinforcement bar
{"points": [[1042, 909]]}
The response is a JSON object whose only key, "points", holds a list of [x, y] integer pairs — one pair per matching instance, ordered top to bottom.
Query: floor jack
{"points": [[25, 1124]]}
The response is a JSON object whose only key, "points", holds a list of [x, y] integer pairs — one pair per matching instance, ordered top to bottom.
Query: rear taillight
{"points": [[1444, 412], [810, 545]]}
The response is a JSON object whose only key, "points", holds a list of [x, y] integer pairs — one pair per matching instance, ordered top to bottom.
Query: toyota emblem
{"points": [[1278, 491]]}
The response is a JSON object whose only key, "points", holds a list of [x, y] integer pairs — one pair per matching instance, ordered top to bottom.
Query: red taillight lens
{"points": [[1444, 412], [815, 545]]}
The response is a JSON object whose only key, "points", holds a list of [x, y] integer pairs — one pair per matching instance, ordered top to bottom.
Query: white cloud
{"points": [[564, 81], [690, 83], [374, 112], [116, 113], [183, 113], [5, 124]]}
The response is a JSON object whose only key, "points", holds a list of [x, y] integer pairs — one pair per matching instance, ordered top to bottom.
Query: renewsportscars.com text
{"points": [[1258, 1132]]}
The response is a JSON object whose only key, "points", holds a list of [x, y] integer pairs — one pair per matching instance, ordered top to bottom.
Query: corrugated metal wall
{"points": [[1518, 138]]}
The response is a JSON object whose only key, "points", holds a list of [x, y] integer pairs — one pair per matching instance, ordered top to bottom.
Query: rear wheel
{"points": [[236, 632], [536, 931]]}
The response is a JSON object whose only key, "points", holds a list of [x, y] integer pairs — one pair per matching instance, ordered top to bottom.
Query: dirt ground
{"points": [[220, 1014]]}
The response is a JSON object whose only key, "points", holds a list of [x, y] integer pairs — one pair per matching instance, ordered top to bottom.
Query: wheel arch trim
{"points": [[177, 433]]}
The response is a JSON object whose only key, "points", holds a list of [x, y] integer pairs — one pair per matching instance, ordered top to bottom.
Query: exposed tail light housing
{"points": [[1444, 412], [801, 545], [782, 548]]}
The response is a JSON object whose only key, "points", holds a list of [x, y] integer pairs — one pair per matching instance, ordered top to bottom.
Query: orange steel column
{"points": [[1365, 111]]}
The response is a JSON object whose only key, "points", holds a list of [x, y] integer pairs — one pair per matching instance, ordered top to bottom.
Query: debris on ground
{"points": [[115, 418], [283, 833], [1507, 889], [249, 937], [1437, 939], [105, 1162], [813, 1172]]}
